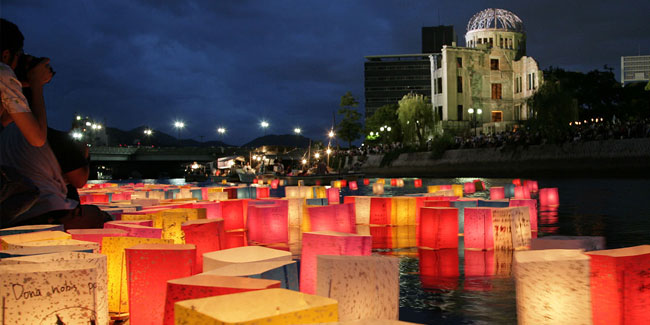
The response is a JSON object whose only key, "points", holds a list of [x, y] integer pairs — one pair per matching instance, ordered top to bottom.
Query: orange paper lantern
{"points": [[380, 210]]}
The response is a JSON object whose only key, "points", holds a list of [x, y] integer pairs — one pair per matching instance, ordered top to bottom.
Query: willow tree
{"points": [[415, 115]]}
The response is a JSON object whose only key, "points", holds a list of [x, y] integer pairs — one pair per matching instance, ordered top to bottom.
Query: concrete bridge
{"points": [[143, 154]]}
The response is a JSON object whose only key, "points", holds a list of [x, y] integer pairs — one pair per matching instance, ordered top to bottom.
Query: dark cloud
{"points": [[234, 63]]}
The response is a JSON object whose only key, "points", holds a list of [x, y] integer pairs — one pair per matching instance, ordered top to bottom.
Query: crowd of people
{"points": [[40, 168]]}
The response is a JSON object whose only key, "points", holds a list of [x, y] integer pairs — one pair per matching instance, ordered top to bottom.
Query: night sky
{"points": [[234, 63]]}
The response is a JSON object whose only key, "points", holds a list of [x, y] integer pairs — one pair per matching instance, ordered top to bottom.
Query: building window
{"points": [[501, 42], [459, 62], [494, 64], [533, 79], [529, 81], [459, 84], [439, 85], [496, 91], [459, 112], [439, 113], [517, 113], [497, 116]]}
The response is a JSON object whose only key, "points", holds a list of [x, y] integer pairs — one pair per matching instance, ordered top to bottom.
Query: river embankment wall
{"points": [[606, 158]]}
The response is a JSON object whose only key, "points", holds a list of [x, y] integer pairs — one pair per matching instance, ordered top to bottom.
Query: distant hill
{"points": [[158, 138], [287, 140]]}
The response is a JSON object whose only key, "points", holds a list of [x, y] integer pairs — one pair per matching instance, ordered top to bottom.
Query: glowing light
{"points": [[471, 111], [479, 111], [78, 117], [88, 124], [179, 124], [264, 124], [99, 126], [388, 128], [381, 129], [221, 130], [297, 130], [148, 132], [331, 134], [77, 135], [329, 151], [317, 155], [304, 161], [195, 166]]}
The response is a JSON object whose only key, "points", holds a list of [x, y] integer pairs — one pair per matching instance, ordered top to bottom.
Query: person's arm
{"points": [[33, 125], [78, 177]]}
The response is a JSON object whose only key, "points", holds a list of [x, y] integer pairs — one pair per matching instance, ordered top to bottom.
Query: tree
{"points": [[553, 107], [415, 114], [384, 116], [349, 129]]}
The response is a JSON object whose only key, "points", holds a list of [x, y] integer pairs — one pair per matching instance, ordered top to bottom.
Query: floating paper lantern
{"points": [[255, 180], [366, 181], [516, 182], [275, 183], [344, 183], [417, 183], [352, 185], [470, 187], [378, 188], [433, 188], [497, 193], [521, 193], [333, 195], [548, 197], [437, 203], [461, 205], [362, 206], [295, 208], [380, 210], [403, 210], [532, 210], [232, 212], [339, 218], [268, 224], [29, 228], [438, 228], [478, 228], [511, 228], [135, 230], [96, 235], [208, 235], [403, 237], [236, 238], [13, 240], [62, 242], [327, 243], [588, 243], [113, 247], [40, 250], [239, 255], [74, 259], [479, 266], [149, 267], [439, 268], [284, 271], [207, 285], [619, 285], [364, 286], [552, 287], [50, 294], [276, 306]]}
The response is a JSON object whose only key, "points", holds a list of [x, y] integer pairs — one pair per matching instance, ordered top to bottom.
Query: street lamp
{"points": [[474, 121], [179, 125], [264, 125], [221, 131], [297, 131], [331, 134], [317, 155]]}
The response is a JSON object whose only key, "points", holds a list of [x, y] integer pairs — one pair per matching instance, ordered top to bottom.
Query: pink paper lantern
{"points": [[275, 183], [417, 183], [353, 185], [531, 186], [469, 188], [263, 192], [497, 193], [521, 193], [333, 195], [549, 197], [532, 208], [212, 209], [340, 218], [268, 223], [438, 228], [478, 228], [96, 235], [208, 235], [328, 243], [149, 267], [439, 268], [208, 285]]}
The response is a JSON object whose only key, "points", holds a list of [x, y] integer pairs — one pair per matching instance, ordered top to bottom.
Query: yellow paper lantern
{"points": [[378, 188], [457, 189], [403, 210], [511, 228], [5, 241], [88, 245], [241, 255], [271, 306]]}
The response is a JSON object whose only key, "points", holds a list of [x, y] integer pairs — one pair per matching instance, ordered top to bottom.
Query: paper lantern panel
{"points": [[438, 228]]}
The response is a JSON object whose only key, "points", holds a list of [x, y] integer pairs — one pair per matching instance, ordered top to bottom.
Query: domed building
{"points": [[485, 85]]}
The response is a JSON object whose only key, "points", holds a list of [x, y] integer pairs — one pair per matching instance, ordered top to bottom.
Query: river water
{"points": [[470, 287]]}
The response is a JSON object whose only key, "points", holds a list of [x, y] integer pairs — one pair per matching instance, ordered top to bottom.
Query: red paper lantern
{"points": [[255, 181], [366, 181], [516, 181], [317, 182], [344, 182], [393, 182], [275, 183], [417, 183], [353, 185], [531, 186], [445, 187], [469, 188], [263, 192], [497, 193], [521, 193], [333, 195], [549, 197], [437, 203], [532, 208], [212, 209], [380, 210], [232, 212], [340, 218], [268, 224], [438, 228], [478, 228], [96, 235], [207, 235], [382, 237], [236, 238], [327, 243], [149, 267], [479, 267], [439, 268], [620, 283], [208, 285]]}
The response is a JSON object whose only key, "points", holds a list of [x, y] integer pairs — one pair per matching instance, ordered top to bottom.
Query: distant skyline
{"points": [[233, 64]]}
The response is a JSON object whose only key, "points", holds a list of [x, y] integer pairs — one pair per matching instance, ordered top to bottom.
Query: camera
{"points": [[27, 62]]}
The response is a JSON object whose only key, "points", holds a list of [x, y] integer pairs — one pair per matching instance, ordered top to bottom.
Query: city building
{"points": [[635, 69], [389, 77], [486, 84]]}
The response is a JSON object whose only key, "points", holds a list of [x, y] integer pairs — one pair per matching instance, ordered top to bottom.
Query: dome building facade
{"points": [[485, 85]]}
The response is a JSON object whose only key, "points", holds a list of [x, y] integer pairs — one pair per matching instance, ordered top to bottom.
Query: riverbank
{"points": [[607, 158]]}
